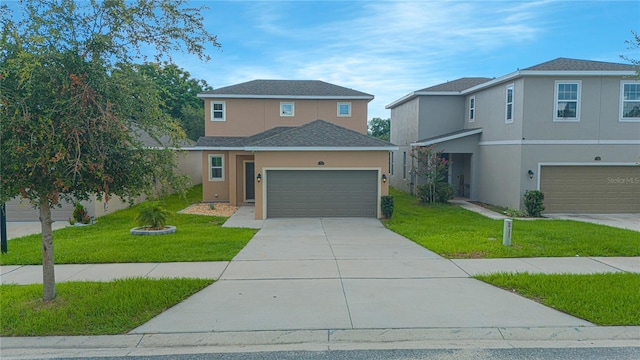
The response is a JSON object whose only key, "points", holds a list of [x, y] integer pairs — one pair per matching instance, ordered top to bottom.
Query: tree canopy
{"points": [[179, 94], [73, 106], [380, 128]]}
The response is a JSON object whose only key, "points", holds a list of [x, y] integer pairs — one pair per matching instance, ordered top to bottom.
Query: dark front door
{"points": [[249, 179]]}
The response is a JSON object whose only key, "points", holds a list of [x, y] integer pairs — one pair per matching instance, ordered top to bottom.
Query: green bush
{"points": [[443, 192], [533, 202], [387, 206], [80, 215], [152, 215]]}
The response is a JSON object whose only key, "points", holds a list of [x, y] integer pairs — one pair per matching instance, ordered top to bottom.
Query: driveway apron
{"points": [[346, 273]]}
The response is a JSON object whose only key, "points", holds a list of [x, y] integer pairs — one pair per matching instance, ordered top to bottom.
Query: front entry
{"points": [[249, 186]]}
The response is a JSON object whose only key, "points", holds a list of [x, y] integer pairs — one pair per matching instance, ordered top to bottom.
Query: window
{"points": [[630, 101], [567, 105], [287, 109], [344, 109], [472, 109], [217, 111], [509, 118], [391, 163], [404, 164], [216, 167]]}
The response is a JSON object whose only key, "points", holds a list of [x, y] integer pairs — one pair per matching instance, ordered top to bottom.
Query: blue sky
{"points": [[390, 48]]}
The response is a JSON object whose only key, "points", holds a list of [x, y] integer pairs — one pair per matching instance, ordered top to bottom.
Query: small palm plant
{"points": [[152, 216]]}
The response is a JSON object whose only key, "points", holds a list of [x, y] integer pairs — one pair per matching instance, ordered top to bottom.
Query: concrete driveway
{"points": [[624, 221], [298, 274]]}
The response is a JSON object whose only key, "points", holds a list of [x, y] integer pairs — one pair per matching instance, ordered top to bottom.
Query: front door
{"points": [[249, 182]]}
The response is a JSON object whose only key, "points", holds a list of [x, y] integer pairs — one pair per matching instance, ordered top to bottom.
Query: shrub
{"points": [[442, 192], [533, 202], [212, 206], [387, 206], [515, 213], [80, 215], [152, 215]]}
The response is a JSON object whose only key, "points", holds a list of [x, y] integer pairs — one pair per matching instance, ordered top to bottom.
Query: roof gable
{"points": [[286, 89]]}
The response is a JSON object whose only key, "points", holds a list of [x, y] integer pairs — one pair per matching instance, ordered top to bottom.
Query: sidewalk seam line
{"points": [[335, 259]]}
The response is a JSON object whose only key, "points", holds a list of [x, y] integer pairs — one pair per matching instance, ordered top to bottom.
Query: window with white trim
{"points": [[630, 101], [567, 104], [287, 109], [344, 109], [472, 109], [509, 109], [218, 111], [216, 167]]}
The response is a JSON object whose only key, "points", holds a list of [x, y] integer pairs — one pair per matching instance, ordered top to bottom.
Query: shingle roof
{"points": [[565, 64], [457, 85], [288, 88], [315, 134]]}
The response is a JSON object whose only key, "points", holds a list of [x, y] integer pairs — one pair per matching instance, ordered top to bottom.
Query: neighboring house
{"points": [[570, 128], [294, 149], [189, 163]]}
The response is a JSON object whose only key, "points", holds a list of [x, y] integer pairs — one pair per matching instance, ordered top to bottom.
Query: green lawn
{"points": [[457, 233], [198, 238], [603, 299], [90, 308]]}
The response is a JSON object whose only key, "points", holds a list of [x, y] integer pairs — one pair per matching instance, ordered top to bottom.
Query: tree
{"points": [[633, 44], [179, 93], [72, 104], [380, 128], [433, 168]]}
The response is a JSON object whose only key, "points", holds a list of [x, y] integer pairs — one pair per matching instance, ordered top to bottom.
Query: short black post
{"points": [[3, 230]]}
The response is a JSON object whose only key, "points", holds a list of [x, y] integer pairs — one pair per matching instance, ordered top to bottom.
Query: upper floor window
{"points": [[630, 101], [567, 103], [287, 109], [344, 109], [472, 109], [218, 111], [509, 117], [216, 167]]}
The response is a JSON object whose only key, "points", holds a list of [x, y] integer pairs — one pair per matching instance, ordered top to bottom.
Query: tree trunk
{"points": [[48, 273]]}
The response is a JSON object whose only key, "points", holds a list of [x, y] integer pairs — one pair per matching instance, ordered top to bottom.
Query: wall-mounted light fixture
{"points": [[530, 172], [259, 177], [384, 178]]}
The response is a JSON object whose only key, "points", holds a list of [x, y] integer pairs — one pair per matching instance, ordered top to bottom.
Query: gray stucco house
{"points": [[570, 128]]}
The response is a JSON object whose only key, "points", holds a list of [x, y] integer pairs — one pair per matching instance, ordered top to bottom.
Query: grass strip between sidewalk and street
{"points": [[456, 233], [198, 238], [603, 299], [90, 308]]}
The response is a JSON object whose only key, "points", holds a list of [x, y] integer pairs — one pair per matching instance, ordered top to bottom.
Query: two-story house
{"points": [[570, 128], [294, 149]]}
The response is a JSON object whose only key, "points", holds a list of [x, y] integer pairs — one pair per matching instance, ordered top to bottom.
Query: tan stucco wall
{"points": [[244, 117], [308, 160]]}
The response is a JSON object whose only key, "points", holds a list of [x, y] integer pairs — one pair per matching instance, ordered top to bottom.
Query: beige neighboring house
{"points": [[293, 149], [189, 163]]}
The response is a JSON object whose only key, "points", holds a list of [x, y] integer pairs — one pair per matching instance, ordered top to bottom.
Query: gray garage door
{"points": [[591, 189], [322, 193], [20, 210]]}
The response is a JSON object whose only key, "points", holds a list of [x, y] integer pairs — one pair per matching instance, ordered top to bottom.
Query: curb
{"points": [[319, 340]]}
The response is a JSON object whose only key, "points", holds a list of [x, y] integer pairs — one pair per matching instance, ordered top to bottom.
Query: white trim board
{"points": [[559, 142]]}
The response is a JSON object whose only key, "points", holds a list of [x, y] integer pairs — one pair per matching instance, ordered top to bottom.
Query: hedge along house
{"points": [[567, 127], [294, 149]]}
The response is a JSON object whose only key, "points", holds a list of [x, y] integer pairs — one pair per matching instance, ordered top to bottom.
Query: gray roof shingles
{"points": [[565, 64], [457, 85], [288, 88], [315, 134]]}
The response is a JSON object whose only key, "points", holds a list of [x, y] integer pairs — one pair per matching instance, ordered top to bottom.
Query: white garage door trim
{"points": [[265, 179]]}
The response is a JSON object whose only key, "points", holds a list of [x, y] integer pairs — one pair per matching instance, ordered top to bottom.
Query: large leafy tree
{"points": [[179, 93], [72, 105], [380, 128]]}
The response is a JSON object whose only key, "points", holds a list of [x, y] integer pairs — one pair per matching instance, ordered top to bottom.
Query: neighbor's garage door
{"points": [[591, 189], [322, 193], [20, 210]]}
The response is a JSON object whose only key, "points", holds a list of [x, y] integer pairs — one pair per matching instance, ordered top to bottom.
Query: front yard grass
{"points": [[457, 233], [198, 238], [603, 299], [90, 308]]}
